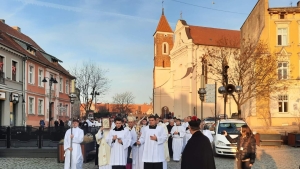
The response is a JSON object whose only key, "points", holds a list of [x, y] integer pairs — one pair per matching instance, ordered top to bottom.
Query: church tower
{"points": [[163, 44]]}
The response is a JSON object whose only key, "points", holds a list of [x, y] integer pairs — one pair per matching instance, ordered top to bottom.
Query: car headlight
{"points": [[221, 143]]}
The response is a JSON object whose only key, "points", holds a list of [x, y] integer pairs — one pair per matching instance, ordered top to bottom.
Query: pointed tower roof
{"points": [[163, 24]]}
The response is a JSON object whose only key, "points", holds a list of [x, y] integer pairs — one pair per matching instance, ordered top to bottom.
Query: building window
{"points": [[281, 16], [282, 38], [165, 48], [1, 64], [14, 70], [282, 70], [40, 77], [30, 78], [60, 84], [67, 87], [283, 103], [31, 105], [40, 107]]}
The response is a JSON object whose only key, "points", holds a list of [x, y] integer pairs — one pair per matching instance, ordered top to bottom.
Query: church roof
{"points": [[163, 25], [214, 36]]}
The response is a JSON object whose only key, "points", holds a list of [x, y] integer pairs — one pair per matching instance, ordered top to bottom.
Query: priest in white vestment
{"points": [[131, 128], [205, 130], [177, 132], [188, 134], [153, 137], [72, 140], [119, 140], [166, 148], [104, 149]]}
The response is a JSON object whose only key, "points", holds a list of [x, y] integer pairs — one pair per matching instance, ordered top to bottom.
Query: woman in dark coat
{"points": [[246, 147], [197, 153]]}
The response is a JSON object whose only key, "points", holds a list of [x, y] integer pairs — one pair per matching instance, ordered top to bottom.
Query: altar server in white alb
{"points": [[177, 132], [153, 137], [119, 140], [104, 149], [166, 149], [73, 154]]}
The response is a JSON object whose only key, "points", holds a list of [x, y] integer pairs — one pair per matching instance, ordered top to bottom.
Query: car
{"points": [[222, 116], [210, 120], [221, 146]]}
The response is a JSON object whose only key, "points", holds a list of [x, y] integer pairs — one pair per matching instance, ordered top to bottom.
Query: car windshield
{"points": [[230, 128]]}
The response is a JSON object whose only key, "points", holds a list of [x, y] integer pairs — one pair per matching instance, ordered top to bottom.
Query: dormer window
{"points": [[30, 50]]}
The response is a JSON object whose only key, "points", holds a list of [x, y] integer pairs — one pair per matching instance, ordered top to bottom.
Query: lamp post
{"points": [[51, 81], [227, 89], [202, 90], [95, 93]]}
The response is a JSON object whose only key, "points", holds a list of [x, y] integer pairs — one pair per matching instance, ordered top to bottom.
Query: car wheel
{"points": [[214, 151]]}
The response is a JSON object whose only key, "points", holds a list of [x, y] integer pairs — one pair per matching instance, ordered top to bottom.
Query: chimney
{"points": [[298, 4], [2, 20], [16, 28]]}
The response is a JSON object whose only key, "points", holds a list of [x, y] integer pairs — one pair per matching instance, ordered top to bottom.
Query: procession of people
{"points": [[145, 144]]}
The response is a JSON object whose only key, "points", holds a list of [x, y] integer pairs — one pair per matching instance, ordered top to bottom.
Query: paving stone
{"points": [[268, 157]]}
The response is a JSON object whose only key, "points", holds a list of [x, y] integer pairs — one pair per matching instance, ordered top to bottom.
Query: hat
{"points": [[131, 118], [195, 122]]}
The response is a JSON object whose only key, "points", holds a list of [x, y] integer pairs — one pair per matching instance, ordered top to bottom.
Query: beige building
{"points": [[177, 66]]}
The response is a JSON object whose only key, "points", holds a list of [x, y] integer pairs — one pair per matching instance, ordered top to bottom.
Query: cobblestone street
{"points": [[284, 157]]}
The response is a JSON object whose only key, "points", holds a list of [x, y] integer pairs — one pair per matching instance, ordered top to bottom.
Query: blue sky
{"points": [[117, 34]]}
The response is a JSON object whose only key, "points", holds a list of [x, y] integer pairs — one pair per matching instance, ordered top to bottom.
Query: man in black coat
{"points": [[198, 153]]}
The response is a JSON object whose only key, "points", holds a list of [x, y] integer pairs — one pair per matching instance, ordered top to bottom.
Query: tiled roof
{"points": [[163, 25], [8, 33], [214, 36]]}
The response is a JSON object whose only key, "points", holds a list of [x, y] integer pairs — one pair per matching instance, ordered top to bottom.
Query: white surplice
{"points": [[188, 134], [208, 134], [177, 142], [166, 147], [104, 150], [153, 150], [119, 151], [77, 159]]}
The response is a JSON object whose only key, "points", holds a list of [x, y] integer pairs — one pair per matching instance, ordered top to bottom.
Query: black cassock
{"points": [[198, 153]]}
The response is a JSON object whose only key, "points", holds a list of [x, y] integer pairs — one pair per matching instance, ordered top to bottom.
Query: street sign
{"points": [[210, 93]]}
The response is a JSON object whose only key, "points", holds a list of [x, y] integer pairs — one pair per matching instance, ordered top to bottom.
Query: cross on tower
{"points": [[181, 15]]}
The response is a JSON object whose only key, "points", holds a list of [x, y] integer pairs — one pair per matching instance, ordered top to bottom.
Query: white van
{"points": [[221, 146]]}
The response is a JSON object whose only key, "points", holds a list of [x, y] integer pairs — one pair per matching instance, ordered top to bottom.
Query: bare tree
{"points": [[252, 66], [90, 78], [122, 102]]}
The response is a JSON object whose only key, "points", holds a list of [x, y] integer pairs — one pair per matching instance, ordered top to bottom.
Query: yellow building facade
{"points": [[279, 28]]}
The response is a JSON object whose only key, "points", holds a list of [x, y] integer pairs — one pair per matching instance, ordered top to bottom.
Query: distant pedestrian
{"points": [[42, 123], [56, 124], [246, 146], [198, 153]]}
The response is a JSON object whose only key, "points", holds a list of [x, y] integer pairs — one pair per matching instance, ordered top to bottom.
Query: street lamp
{"points": [[51, 81], [227, 89], [202, 90], [95, 93]]}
